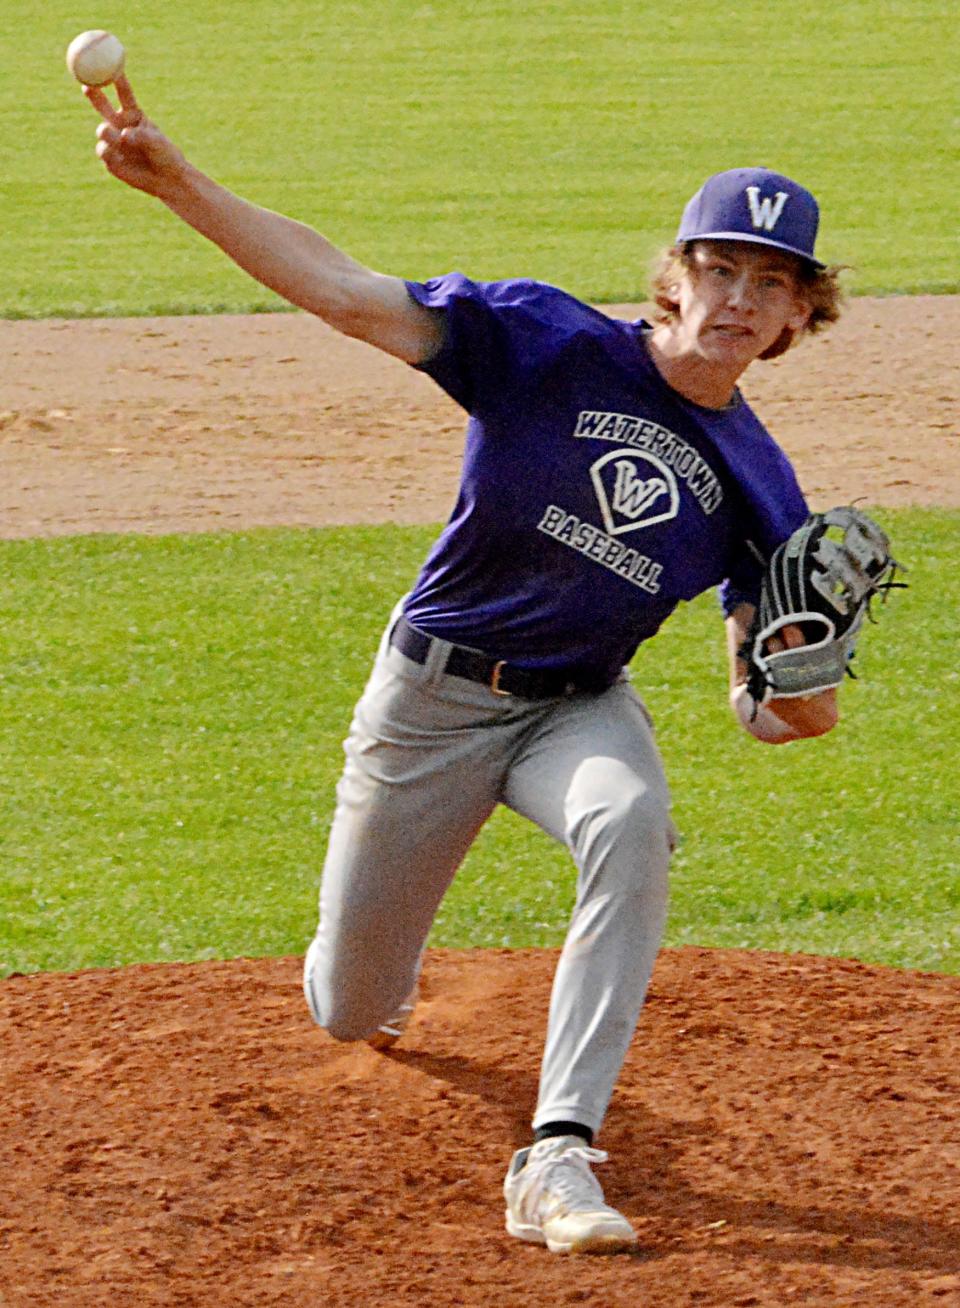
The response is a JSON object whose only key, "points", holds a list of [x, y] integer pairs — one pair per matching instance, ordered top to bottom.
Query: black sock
{"points": [[552, 1129]]}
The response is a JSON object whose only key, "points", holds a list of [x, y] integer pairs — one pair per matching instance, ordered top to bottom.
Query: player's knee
{"points": [[641, 813], [628, 814], [622, 843], [322, 999], [339, 1009], [341, 1020], [346, 1028]]}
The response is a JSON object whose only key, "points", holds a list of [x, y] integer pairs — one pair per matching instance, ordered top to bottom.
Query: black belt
{"points": [[501, 677]]}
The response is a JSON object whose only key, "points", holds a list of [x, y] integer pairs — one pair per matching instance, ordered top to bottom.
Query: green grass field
{"points": [[557, 140], [171, 709], [171, 712]]}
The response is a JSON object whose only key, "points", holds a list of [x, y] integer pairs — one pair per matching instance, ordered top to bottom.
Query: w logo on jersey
{"points": [[765, 213], [634, 490], [631, 494]]}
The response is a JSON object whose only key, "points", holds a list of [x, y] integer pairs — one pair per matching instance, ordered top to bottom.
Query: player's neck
{"points": [[685, 370]]}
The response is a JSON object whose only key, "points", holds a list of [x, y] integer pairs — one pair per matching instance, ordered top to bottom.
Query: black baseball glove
{"points": [[821, 579]]}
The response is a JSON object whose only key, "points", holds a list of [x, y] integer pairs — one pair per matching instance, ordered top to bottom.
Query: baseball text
{"points": [[628, 563]]}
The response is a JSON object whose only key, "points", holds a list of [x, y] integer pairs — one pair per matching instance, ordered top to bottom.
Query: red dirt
{"points": [[785, 1130]]}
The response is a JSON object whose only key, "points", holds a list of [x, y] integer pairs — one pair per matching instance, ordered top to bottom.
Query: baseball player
{"points": [[611, 470]]}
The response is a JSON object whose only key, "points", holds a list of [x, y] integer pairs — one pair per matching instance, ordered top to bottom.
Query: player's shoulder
{"points": [[516, 297], [551, 305], [756, 437], [763, 473]]}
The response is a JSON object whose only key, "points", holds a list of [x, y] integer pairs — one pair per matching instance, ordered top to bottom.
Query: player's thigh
{"points": [[594, 759], [424, 767], [419, 781]]}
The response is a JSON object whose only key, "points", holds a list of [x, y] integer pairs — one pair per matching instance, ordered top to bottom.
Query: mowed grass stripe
{"points": [[550, 140], [171, 718]]}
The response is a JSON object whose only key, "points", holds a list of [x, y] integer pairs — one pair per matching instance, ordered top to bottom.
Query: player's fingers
{"points": [[102, 105], [132, 113], [135, 138], [107, 139], [792, 636], [788, 637]]}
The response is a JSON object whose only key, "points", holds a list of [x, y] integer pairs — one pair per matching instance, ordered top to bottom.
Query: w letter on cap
{"points": [[766, 212]]}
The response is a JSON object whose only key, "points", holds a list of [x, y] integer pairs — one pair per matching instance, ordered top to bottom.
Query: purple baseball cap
{"points": [[753, 204]]}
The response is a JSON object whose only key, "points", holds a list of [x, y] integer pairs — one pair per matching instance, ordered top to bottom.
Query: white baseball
{"points": [[95, 58]]}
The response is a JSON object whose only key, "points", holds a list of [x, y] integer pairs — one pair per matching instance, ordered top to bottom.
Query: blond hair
{"points": [[820, 287]]}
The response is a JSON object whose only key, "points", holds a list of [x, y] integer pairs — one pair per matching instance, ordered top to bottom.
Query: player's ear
{"points": [[668, 296], [802, 303], [802, 313]]}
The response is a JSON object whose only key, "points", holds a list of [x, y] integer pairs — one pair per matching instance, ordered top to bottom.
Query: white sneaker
{"points": [[386, 1036], [553, 1198]]}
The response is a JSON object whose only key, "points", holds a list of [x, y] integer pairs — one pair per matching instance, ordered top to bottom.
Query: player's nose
{"points": [[741, 292]]}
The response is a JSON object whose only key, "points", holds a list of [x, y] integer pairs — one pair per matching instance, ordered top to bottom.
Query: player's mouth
{"points": [[733, 329]]}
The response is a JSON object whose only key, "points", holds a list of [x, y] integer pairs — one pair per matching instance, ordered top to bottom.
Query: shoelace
{"points": [[567, 1179]]}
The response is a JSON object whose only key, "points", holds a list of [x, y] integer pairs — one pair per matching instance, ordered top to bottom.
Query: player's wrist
{"points": [[182, 187]]}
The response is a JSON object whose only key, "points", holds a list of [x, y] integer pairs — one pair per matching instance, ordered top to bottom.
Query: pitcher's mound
{"points": [[785, 1131]]}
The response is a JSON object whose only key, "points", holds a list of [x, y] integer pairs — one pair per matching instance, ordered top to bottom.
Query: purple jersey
{"points": [[594, 498]]}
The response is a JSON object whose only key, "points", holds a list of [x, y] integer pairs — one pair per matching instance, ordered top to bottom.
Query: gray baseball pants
{"points": [[428, 758]]}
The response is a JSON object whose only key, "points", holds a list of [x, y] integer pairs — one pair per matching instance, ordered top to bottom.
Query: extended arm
{"points": [[287, 256], [780, 720]]}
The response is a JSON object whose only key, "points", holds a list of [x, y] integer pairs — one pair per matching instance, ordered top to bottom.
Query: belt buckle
{"points": [[495, 679]]}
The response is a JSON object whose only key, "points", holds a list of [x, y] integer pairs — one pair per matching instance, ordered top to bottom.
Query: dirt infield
{"points": [[200, 424], [786, 1128]]}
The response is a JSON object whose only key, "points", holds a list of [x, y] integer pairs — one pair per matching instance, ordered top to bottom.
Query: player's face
{"points": [[736, 300]]}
